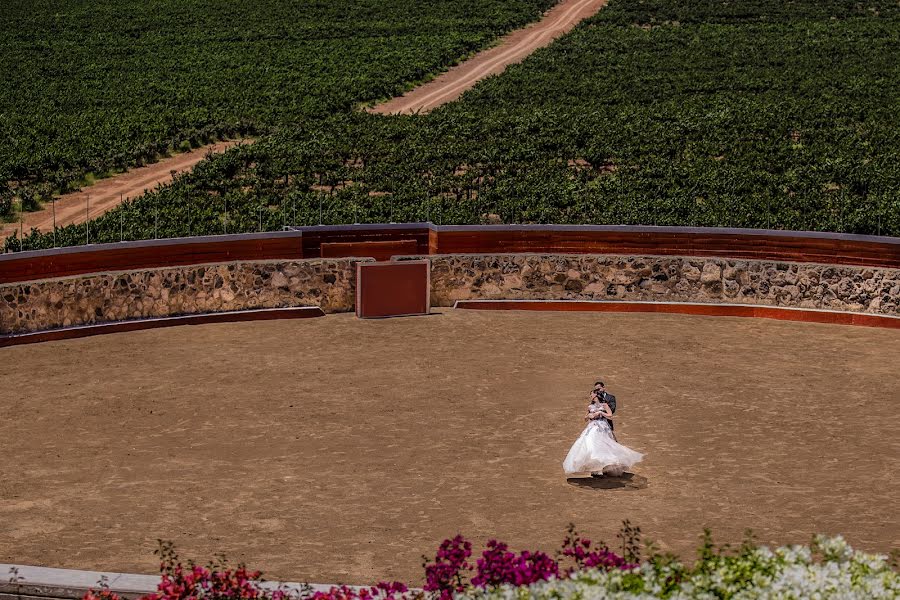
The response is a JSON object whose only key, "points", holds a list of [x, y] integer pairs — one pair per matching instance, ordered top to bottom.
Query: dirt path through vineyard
{"points": [[512, 49], [106, 194]]}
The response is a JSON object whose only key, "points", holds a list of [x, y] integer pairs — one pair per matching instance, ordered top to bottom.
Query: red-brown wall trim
{"points": [[314, 237], [306, 242], [726, 243], [381, 250], [148, 254], [688, 308], [265, 314]]}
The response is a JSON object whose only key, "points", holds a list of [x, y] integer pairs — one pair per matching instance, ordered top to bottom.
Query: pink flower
{"points": [[585, 556], [498, 566], [445, 574], [381, 590]]}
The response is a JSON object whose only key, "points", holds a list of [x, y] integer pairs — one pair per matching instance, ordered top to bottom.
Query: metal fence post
{"points": [[87, 218]]}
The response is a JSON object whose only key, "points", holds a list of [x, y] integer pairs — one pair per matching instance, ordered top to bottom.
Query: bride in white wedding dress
{"points": [[596, 450]]}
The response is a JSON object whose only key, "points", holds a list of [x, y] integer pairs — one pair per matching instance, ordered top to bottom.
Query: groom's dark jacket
{"points": [[611, 400]]}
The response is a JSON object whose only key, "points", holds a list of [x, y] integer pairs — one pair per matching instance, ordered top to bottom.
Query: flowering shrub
{"points": [[586, 555], [498, 566], [829, 568], [753, 573], [445, 575], [189, 582], [201, 582], [381, 591], [102, 594]]}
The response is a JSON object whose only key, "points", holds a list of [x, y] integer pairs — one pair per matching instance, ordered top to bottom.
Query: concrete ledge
{"points": [[689, 308], [264, 314], [27, 582], [42, 582]]}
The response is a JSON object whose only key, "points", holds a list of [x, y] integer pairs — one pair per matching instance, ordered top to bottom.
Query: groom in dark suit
{"points": [[605, 396]]}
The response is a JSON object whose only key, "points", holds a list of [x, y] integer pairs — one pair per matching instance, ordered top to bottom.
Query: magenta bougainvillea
{"points": [[586, 555], [498, 566], [448, 573], [445, 575], [193, 582], [201, 582], [381, 591]]}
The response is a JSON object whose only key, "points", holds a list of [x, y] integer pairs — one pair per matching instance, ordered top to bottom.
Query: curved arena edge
{"points": [[309, 271]]}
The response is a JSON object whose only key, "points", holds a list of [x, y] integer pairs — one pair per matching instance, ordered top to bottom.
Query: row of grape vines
{"points": [[97, 86], [725, 113]]}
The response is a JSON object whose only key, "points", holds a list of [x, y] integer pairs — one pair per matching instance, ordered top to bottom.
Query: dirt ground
{"points": [[512, 48], [108, 193], [340, 450]]}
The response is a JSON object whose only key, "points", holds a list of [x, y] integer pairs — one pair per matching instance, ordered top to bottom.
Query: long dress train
{"points": [[596, 451]]}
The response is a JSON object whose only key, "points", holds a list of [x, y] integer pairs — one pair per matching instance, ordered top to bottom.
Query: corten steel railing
{"points": [[427, 238]]}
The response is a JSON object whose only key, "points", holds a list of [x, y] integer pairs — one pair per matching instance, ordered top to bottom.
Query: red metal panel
{"points": [[315, 237], [312, 242], [793, 247], [382, 250], [127, 256], [393, 289], [687, 308], [66, 333]]}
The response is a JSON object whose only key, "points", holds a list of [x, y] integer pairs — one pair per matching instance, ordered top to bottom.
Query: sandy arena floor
{"points": [[338, 450]]}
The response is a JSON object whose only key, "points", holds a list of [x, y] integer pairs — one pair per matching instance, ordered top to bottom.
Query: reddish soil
{"points": [[512, 49], [108, 193], [341, 450]]}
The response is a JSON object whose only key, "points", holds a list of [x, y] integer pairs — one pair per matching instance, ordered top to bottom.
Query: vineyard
{"points": [[91, 88], [758, 113]]}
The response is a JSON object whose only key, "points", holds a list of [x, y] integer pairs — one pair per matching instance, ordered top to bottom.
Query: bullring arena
{"points": [[338, 449]]}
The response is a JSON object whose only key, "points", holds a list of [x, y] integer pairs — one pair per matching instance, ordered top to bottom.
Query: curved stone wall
{"points": [[161, 278], [663, 279], [171, 291]]}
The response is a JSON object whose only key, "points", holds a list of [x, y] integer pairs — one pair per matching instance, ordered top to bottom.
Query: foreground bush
{"points": [[581, 570], [754, 572], [216, 581]]}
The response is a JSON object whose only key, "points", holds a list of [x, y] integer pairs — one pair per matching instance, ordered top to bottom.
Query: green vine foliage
{"points": [[97, 86], [758, 113]]}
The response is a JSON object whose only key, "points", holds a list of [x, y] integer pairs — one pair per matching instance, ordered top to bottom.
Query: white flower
{"points": [[788, 573]]}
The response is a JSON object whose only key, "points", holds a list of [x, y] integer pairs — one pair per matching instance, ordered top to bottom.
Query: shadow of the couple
{"points": [[626, 481]]}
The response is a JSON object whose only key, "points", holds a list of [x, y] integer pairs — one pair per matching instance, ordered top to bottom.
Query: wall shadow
{"points": [[627, 481]]}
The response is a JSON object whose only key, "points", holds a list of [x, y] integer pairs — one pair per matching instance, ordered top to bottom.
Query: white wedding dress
{"points": [[596, 451]]}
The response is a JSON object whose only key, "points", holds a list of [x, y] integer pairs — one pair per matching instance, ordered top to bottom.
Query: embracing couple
{"points": [[596, 449]]}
